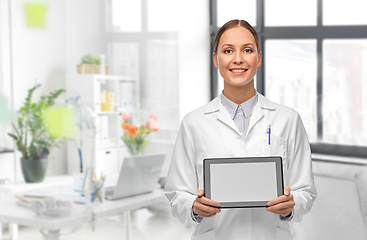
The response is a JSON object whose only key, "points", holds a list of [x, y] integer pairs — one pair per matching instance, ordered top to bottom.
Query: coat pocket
{"points": [[276, 146], [282, 234], [205, 236]]}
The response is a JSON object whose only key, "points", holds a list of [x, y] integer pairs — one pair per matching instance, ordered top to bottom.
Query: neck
{"points": [[239, 94]]}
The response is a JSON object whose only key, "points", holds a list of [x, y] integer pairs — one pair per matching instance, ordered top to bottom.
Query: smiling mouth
{"points": [[238, 70]]}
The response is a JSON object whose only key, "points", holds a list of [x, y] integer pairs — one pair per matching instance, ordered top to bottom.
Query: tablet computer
{"points": [[244, 182]]}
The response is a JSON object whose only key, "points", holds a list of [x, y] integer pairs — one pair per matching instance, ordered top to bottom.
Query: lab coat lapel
{"points": [[216, 107], [261, 108], [257, 114], [225, 118], [230, 135], [232, 139]]}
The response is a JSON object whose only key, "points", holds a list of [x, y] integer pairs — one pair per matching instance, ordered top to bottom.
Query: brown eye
{"points": [[248, 50], [228, 51]]}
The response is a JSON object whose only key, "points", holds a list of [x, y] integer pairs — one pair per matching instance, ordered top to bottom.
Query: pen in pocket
{"points": [[269, 132]]}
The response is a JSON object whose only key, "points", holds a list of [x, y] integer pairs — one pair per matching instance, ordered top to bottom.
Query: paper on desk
{"points": [[50, 191], [38, 194], [27, 199]]}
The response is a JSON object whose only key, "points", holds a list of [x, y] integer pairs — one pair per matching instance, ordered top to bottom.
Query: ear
{"points": [[260, 59], [215, 60]]}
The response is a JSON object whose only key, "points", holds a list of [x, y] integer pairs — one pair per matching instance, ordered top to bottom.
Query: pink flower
{"points": [[125, 117], [153, 117], [154, 126]]}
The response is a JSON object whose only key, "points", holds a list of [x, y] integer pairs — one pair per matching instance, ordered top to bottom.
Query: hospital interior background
{"points": [[314, 60]]}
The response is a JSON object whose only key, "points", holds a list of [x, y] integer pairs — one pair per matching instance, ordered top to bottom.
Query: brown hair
{"points": [[232, 24]]}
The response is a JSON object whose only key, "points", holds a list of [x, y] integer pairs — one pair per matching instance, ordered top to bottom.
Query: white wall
{"points": [[83, 24], [38, 53], [46, 55], [194, 56], [38, 57], [5, 82], [6, 159]]}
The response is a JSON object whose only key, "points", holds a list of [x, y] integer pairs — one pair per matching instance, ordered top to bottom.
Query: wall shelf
{"points": [[109, 149]]}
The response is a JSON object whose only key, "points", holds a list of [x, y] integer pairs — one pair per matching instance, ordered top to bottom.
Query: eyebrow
{"points": [[228, 44]]}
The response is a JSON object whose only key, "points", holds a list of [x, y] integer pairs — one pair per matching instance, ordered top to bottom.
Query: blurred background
{"points": [[157, 56]]}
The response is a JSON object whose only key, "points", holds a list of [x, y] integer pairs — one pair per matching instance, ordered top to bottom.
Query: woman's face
{"points": [[237, 56]]}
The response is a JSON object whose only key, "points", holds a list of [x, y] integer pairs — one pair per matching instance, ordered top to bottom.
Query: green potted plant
{"points": [[89, 59], [90, 65], [31, 136]]}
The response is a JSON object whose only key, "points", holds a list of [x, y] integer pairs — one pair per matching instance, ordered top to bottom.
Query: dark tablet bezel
{"points": [[245, 204]]}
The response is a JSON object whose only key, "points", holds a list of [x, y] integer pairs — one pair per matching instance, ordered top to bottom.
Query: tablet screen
{"points": [[238, 182]]}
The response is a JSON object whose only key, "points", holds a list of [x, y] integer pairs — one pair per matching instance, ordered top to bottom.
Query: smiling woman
{"points": [[237, 123]]}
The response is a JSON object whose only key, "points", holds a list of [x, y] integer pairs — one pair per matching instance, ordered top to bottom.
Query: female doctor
{"points": [[235, 124]]}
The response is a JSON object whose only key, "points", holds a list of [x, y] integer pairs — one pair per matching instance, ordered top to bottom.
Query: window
{"points": [[234, 9], [280, 12], [338, 12], [125, 16], [161, 16], [142, 44], [320, 47], [296, 86], [345, 89]]}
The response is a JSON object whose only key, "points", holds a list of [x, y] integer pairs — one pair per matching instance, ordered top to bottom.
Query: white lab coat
{"points": [[210, 132]]}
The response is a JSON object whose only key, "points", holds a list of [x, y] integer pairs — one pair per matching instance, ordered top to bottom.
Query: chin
{"points": [[239, 84]]}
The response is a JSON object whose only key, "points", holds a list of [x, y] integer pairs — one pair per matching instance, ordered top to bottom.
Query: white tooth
{"points": [[237, 70]]}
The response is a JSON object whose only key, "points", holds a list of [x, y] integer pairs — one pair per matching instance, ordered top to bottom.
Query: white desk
{"points": [[55, 181], [13, 214]]}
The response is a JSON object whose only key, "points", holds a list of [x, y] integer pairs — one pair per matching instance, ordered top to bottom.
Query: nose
{"points": [[238, 58]]}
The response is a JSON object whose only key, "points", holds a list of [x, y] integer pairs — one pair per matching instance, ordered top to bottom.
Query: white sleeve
{"points": [[300, 176], [182, 183]]}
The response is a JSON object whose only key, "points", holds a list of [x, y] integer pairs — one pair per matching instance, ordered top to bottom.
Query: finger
{"points": [[287, 191], [200, 193], [280, 199], [208, 202], [205, 207], [281, 207], [199, 208], [207, 210], [284, 212], [206, 215]]}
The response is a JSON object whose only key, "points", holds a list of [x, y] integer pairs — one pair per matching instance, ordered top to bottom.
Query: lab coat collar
{"points": [[262, 102], [265, 103]]}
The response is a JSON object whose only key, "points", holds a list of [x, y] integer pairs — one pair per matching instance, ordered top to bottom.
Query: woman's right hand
{"points": [[205, 207]]}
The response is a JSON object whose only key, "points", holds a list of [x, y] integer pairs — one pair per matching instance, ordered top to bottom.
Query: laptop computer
{"points": [[138, 175]]}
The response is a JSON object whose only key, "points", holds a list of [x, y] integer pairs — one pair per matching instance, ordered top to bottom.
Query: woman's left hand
{"points": [[282, 205]]}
